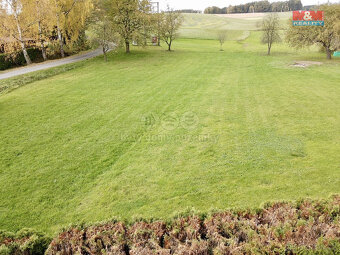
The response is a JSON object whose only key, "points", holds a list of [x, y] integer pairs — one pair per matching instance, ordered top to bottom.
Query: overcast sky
{"points": [[202, 4]]}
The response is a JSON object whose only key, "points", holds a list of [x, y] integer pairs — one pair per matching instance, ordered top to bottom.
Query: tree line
{"points": [[260, 6], [188, 11], [61, 26]]}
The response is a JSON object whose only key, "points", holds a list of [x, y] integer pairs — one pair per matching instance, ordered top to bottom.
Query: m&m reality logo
{"points": [[308, 18]]}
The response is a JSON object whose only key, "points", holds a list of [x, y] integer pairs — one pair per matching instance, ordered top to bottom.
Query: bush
{"points": [[7, 61], [308, 227], [26, 242]]}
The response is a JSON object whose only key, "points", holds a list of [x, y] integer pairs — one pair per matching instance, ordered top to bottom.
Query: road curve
{"points": [[53, 63]]}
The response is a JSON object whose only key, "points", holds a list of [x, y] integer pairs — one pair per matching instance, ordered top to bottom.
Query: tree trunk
{"points": [[60, 38], [22, 44], [127, 46], [269, 48], [169, 49], [43, 50], [104, 52], [329, 53], [27, 57]]}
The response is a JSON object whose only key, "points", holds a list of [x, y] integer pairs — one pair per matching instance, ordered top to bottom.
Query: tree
{"points": [[294, 5], [262, 6], [40, 7], [251, 9], [70, 17], [128, 18], [16, 23], [44, 24], [149, 25], [169, 25], [270, 28], [101, 30], [103, 35], [222, 36], [328, 36]]}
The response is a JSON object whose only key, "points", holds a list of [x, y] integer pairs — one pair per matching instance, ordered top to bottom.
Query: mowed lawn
{"points": [[155, 133]]}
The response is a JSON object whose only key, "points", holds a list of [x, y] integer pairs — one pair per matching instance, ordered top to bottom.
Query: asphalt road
{"points": [[53, 63]]}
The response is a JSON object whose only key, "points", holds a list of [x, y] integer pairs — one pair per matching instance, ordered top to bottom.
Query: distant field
{"points": [[206, 26]]}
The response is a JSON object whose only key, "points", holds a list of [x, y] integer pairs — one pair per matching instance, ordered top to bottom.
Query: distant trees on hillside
{"points": [[259, 6], [188, 11]]}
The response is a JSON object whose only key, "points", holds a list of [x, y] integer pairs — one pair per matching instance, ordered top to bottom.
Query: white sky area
{"points": [[202, 4]]}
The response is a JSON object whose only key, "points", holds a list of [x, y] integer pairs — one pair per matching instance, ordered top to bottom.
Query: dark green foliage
{"points": [[7, 62], [26, 242]]}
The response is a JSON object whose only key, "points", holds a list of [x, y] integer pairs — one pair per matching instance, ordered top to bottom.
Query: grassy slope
{"points": [[205, 26], [74, 147]]}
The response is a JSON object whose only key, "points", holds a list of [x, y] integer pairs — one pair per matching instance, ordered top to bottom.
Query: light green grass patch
{"points": [[206, 26]]}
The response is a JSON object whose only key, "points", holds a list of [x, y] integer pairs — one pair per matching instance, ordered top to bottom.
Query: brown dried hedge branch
{"points": [[308, 227]]}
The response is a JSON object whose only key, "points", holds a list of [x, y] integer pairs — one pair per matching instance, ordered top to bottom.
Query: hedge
{"points": [[9, 62], [305, 227], [25, 242]]}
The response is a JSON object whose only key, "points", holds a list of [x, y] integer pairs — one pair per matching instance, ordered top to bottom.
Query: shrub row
{"points": [[7, 62], [307, 227], [281, 228], [25, 242]]}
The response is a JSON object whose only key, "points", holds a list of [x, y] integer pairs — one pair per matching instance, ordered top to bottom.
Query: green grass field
{"points": [[202, 26], [154, 133]]}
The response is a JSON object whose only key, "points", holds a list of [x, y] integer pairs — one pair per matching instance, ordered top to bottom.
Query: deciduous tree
{"points": [[70, 17], [128, 17], [44, 22], [170, 22], [16, 23], [270, 28], [101, 30], [222, 36], [328, 36]]}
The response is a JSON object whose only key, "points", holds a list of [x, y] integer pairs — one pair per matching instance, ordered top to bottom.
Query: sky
{"points": [[202, 4]]}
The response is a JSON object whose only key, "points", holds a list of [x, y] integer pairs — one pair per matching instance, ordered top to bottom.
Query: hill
{"points": [[206, 26]]}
